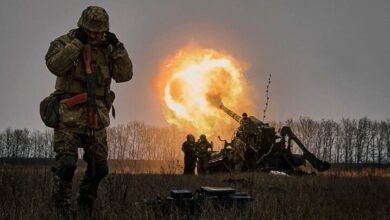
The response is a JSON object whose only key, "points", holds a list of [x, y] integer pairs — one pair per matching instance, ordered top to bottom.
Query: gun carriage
{"points": [[257, 146]]}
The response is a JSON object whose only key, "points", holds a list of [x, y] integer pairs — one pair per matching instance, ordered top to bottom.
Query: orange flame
{"points": [[194, 82]]}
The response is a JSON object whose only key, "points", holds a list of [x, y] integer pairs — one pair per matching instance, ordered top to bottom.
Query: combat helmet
{"points": [[94, 18], [190, 136]]}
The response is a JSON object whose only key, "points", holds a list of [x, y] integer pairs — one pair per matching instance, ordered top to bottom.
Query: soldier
{"points": [[109, 60], [245, 122], [247, 130], [249, 133], [202, 146], [189, 155]]}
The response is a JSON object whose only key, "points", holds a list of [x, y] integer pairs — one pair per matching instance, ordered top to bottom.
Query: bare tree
{"points": [[361, 138]]}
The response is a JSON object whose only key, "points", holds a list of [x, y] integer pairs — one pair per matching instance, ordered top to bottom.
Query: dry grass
{"points": [[360, 172], [25, 194]]}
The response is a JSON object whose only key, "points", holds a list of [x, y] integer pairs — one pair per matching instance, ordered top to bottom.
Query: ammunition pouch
{"points": [[103, 74], [49, 110], [75, 117]]}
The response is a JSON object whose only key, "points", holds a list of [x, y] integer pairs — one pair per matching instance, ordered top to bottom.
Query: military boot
{"points": [[62, 197], [86, 197]]}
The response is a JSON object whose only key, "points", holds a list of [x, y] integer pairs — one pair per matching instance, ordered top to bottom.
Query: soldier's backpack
{"points": [[48, 109]]}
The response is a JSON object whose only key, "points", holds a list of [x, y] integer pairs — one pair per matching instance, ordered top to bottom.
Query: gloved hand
{"points": [[81, 35], [111, 39]]}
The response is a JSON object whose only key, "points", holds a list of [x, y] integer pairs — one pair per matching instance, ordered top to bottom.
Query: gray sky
{"points": [[328, 59]]}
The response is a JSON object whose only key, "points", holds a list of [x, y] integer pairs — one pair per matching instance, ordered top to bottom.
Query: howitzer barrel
{"points": [[230, 113]]}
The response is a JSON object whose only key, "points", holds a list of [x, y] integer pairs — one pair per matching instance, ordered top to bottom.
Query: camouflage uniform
{"points": [[63, 59], [247, 130], [248, 133], [202, 146], [188, 148], [238, 152]]}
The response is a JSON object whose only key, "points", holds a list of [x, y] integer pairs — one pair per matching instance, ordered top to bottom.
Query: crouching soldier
{"points": [[85, 60], [203, 154], [189, 155]]}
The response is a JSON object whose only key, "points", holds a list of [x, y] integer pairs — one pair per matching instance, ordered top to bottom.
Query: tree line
{"points": [[135, 141], [359, 141]]}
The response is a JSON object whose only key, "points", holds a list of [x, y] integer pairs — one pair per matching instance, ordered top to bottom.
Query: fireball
{"points": [[193, 83]]}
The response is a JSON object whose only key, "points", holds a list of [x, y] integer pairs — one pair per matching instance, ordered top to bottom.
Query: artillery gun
{"points": [[256, 146]]}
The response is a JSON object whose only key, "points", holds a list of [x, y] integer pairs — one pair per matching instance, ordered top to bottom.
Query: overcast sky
{"points": [[328, 59]]}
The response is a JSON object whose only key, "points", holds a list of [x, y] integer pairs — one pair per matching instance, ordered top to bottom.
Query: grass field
{"points": [[25, 194]]}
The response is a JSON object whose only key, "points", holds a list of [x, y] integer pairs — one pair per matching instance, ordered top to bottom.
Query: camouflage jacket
{"points": [[63, 59], [247, 125], [189, 148], [202, 148]]}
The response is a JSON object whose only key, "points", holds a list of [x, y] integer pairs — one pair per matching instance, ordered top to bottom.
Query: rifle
{"points": [[91, 91], [91, 103]]}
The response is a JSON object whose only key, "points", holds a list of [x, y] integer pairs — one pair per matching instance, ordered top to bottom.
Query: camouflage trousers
{"points": [[66, 144], [189, 164], [203, 165]]}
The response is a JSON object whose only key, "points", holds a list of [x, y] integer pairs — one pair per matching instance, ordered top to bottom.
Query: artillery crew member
{"points": [[84, 61], [246, 124], [247, 130], [202, 146], [189, 155]]}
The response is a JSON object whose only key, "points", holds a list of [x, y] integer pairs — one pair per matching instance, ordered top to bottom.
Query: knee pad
{"points": [[66, 166], [101, 170]]}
